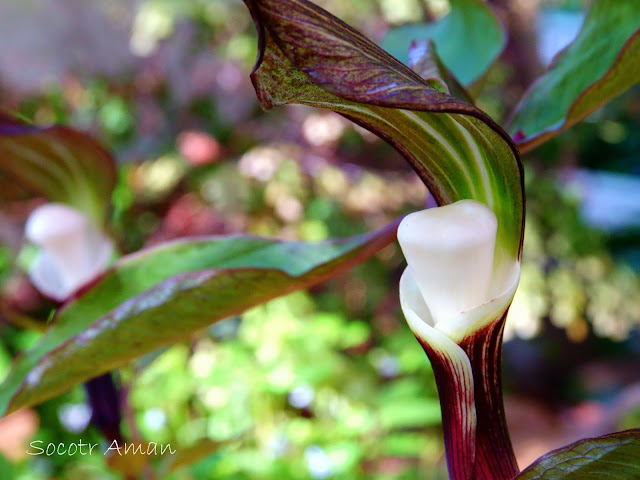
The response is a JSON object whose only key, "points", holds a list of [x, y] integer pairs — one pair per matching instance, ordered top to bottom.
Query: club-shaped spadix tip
{"points": [[450, 252]]}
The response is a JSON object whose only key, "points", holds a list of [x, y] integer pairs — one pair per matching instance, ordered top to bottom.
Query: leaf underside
{"points": [[469, 39], [308, 56], [425, 61], [600, 64], [59, 163], [162, 295], [615, 456]]}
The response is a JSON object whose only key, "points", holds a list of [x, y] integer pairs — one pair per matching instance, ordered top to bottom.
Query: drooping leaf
{"points": [[469, 39], [307, 56], [310, 57], [425, 61], [600, 64], [60, 163], [162, 295], [615, 456]]}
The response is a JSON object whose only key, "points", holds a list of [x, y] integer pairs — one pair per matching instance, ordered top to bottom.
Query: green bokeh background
{"points": [[328, 383]]}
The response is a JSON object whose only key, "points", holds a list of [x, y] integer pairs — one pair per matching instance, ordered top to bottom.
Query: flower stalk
{"points": [[455, 297], [495, 458]]}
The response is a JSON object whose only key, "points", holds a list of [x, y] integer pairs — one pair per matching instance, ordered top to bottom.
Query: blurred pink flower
{"points": [[198, 148]]}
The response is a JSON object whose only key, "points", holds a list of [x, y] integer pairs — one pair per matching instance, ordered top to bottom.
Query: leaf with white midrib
{"points": [[457, 150]]}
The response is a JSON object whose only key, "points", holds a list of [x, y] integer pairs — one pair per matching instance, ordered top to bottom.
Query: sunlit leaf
{"points": [[469, 39], [308, 56], [425, 61], [601, 63], [59, 163], [162, 295], [615, 456]]}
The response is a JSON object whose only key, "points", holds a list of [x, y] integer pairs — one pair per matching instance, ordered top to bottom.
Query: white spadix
{"points": [[72, 249], [449, 251]]}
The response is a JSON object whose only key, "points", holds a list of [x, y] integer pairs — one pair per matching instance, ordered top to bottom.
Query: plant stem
{"points": [[455, 388], [495, 459]]}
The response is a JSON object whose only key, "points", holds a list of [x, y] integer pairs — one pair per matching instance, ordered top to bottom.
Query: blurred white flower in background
{"points": [[73, 250]]}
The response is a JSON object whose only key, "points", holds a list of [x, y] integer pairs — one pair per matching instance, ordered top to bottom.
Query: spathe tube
{"points": [[464, 346]]}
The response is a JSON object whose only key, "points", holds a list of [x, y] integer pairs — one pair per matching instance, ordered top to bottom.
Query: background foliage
{"points": [[328, 383]]}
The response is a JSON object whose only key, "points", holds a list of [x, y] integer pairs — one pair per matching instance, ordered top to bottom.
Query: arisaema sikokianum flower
{"points": [[76, 175], [72, 250], [464, 255], [455, 297]]}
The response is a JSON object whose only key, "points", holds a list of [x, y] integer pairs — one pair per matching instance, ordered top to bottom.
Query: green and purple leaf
{"points": [[469, 39], [308, 56], [425, 61], [600, 64], [59, 163], [162, 295], [615, 456]]}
